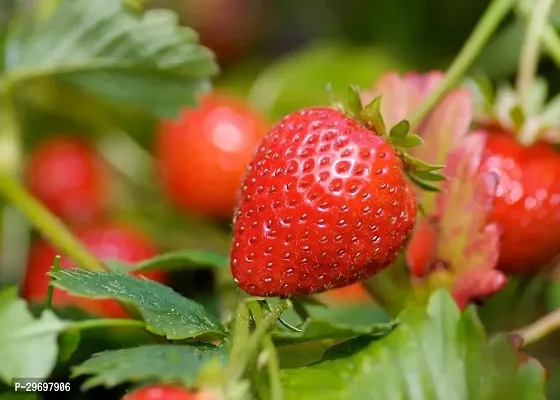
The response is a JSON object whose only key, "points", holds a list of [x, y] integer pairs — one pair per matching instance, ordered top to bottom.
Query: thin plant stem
{"points": [[482, 32], [549, 37], [551, 43], [529, 59], [51, 227], [50, 290], [106, 323], [540, 329], [240, 336], [239, 364], [273, 365]]}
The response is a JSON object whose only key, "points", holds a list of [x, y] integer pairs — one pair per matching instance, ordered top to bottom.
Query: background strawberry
{"points": [[203, 154], [67, 175], [527, 201], [324, 204], [106, 242], [349, 294], [161, 392]]}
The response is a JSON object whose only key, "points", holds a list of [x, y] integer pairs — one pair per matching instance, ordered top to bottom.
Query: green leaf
{"points": [[144, 61], [354, 101], [372, 115], [400, 130], [410, 140], [419, 165], [430, 176], [422, 183], [181, 259], [165, 311], [333, 323], [320, 329], [68, 342], [28, 346], [434, 353], [161, 363]]}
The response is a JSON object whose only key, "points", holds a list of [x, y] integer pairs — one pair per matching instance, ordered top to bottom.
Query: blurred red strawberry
{"points": [[224, 26], [520, 151], [202, 155], [66, 174], [527, 201], [104, 241], [353, 294], [161, 392]]}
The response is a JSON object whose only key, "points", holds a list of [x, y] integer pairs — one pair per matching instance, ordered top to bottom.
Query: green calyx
{"points": [[534, 119], [399, 136]]}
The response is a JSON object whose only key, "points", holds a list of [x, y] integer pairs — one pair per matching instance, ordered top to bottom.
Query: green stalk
{"points": [[484, 29], [551, 43], [530, 52], [52, 228], [50, 291], [240, 336], [241, 358], [276, 392]]}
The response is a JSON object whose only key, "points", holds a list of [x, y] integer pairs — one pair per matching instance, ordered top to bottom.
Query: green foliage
{"points": [[107, 53], [299, 79], [181, 259], [164, 310], [335, 323], [317, 329], [68, 342], [28, 346], [435, 353], [161, 363]]}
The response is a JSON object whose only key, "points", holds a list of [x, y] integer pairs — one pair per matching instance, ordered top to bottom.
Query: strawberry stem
{"points": [[484, 29], [549, 36], [530, 52], [529, 59], [51, 227], [50, 290], [540, 328], [245, 346], [276, 391]]}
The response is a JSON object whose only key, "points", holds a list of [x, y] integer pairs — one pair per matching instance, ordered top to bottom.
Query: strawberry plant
{"points": [[370, 235]]}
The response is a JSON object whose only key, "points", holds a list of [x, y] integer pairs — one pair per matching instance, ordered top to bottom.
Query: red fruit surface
{"points": [[202, 155], [67, 175], [527, 201], [324, 204], [104, 241], [350, 294], [161, 392]]}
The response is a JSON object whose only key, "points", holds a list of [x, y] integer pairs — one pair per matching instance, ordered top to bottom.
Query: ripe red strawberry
{"points": [[202, 155], [67, 175], [527, 201], [324, 204], [104, 241], [161, 392]]}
